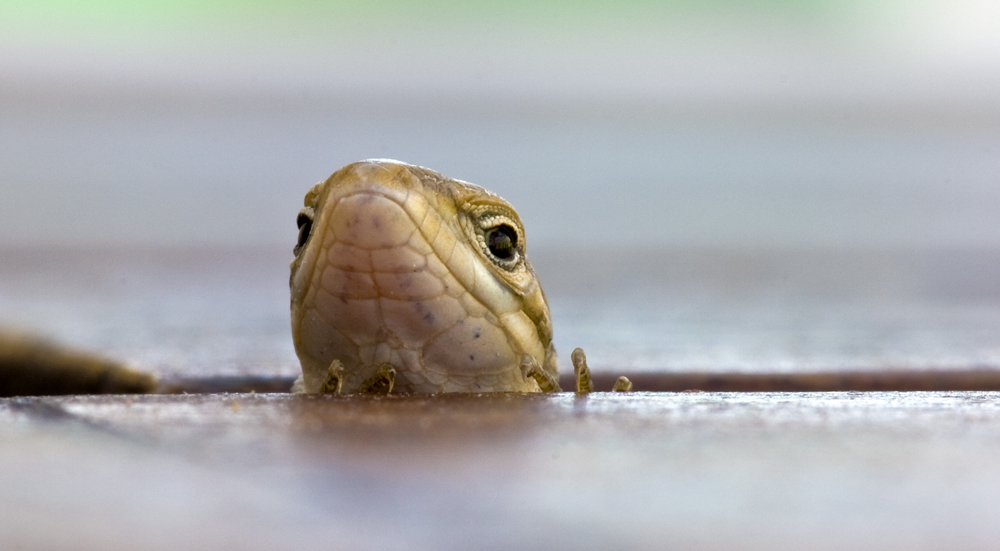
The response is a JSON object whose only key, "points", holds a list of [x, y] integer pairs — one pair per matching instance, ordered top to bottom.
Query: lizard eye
{"points": [[305, 222], [500, 236], [502, 241]]}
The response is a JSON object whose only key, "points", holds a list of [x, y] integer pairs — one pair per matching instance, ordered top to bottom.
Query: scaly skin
{"points": [[396, 267]]}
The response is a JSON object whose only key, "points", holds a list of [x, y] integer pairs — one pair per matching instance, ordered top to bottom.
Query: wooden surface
{"points": [[830, 381], [833, 381], [698, 470], [606, 471]]}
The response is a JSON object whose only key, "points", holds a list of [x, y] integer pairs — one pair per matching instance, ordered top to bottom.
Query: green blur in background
{"points": [[634, 48]]}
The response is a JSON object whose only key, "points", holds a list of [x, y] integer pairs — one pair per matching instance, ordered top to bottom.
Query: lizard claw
{"points": [[584, 384]]}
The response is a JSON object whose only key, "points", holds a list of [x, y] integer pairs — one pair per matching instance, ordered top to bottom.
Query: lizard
{"points": [[406, 280]]}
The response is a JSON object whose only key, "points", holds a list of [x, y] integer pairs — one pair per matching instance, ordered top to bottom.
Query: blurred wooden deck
{"points": [[666, 470], [605, 471]]}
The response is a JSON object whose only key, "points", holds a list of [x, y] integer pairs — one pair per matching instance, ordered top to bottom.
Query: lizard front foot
{"points": [[530, 368], [334, 378], [381, 382]]}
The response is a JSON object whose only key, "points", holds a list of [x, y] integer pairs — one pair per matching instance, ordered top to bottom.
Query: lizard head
{"points": [[396, 264]]}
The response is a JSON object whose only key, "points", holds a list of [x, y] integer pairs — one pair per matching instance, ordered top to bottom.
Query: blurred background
{"points": [[730, 122], [728, 184]]}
